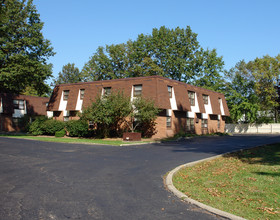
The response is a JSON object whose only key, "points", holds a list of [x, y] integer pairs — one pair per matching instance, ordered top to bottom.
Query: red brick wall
{"points": [[153, 87]]}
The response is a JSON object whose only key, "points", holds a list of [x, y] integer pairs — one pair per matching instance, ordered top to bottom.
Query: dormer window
{"points": [[169, 88], [137, 90], [107, 91], [82, 94], [65, 95], [191, 98], [205, 99], [18, 104]]}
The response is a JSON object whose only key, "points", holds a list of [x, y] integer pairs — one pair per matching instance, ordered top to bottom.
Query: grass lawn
{"points": [[75, 140], [246, 184]]}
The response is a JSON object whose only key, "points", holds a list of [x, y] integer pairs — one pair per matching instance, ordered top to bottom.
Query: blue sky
{"points": [[237, 29]]}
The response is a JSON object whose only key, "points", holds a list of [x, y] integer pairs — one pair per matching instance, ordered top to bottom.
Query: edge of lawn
{"points": [[79, 140], [182, 196]]}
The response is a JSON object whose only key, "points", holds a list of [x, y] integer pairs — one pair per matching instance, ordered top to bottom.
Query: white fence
{"points": [[252, 128]]}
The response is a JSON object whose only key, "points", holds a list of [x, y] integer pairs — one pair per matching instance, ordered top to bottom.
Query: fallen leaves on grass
{"points": [[213, 191], [268, 210]]}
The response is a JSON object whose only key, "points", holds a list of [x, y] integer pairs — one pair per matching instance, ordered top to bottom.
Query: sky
{"points": [[237, 29]]}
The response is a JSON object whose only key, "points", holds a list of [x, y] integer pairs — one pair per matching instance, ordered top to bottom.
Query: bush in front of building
{"points": [[115, 113], [44, 126], [51, 126], [36, 127], [77, 128], [60, 133]]}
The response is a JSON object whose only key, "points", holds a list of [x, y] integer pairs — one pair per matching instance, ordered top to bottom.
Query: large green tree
{"points": [[23, 49], [172, 53], [266, 73], [69, 74], [252, 90], [242, 100], [110, 114]]}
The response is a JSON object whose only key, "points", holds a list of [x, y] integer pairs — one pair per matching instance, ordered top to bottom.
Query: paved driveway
{"points": [[40, 180]]}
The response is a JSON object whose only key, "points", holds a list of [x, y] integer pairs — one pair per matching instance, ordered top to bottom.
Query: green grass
{"points": [[73, 140], [245, 183]]}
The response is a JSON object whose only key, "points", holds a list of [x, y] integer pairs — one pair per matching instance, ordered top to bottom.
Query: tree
{"points": [[23, 50], [172, 53], [266, 72], [69, 74], [210, 77], [252, 89], [240, 93], [142, 111], [112, 112], [108, 113]]}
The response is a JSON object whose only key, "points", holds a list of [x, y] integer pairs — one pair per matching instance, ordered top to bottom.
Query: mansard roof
{"points": [[153, 87], [34, 105]]}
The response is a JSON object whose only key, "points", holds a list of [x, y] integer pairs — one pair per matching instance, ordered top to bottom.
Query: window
{"points": [[137, 90], [106, 91], [169, 91], [82, 94], [65, 95], [192, 98], [205, 99], [18, 104], [73, 113], [56, 114], [168, 121], [16, 122], [204, 123], [219, 123], [91, 124], [190, 124]]}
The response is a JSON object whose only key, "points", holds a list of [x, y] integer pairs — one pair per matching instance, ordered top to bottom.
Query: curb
{"points": [[133, 144], [182, 196]]}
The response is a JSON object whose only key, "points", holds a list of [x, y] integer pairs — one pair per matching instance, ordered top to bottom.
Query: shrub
{"points": [[51, 126], [36, 127], [77, 128], [60, 133]]}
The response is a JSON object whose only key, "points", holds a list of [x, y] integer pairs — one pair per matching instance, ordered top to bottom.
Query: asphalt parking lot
{"points": [[41, 180]]}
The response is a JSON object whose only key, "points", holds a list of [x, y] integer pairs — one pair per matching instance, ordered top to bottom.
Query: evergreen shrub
{"points": [[51, 126], [36, 127], [77, 128], [60, 133]]}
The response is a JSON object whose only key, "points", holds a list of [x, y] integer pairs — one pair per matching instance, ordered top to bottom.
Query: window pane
{"points": [[137, 90], [106, 91], [170, 91], [82, 93], [65, 95], [191, 97], [205, 99], [18, 104], [168, 121], [204, 123], [190, 124]]}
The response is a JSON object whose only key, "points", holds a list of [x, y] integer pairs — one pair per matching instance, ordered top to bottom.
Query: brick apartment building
{"points": [[14, 107], [184, 107]]}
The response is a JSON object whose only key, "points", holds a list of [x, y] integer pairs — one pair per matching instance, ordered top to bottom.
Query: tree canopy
{"points": [[23, 49], [172, 53], [69, 74], [252, 90], [111, 114]]}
